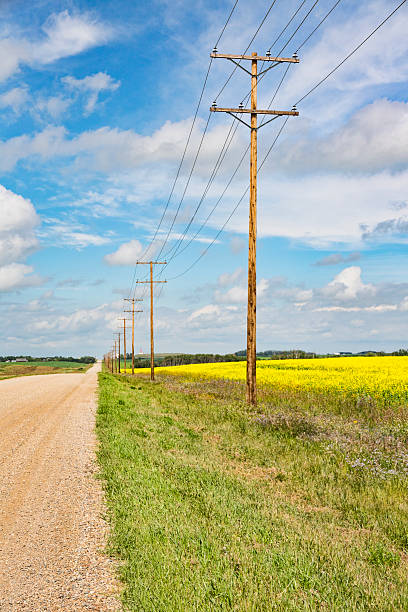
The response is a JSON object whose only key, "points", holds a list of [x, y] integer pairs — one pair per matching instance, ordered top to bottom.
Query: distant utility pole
{"points": [[254, 112], [151, 281], [133, 300], [124, 338], [119, 352], [115, 357], [117, 364]]}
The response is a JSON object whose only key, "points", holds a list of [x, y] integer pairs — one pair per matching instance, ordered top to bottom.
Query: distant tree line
{"points": [[291, 354], [85, 359], [182, 359], [185, 359]]}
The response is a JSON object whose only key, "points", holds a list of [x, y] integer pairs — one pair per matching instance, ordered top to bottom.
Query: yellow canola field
{"points": [[384, 379]]}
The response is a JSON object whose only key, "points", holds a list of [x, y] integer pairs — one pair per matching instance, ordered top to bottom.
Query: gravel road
{"points": [[51, 529]]}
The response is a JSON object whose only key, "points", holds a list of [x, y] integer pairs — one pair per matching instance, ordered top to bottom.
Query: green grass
{"points": [[11, 370], [214, 507]]}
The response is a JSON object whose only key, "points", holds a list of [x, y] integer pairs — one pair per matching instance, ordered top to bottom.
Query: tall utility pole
{"points": [[254, 112], [151, 281], [133, 300], [124, 339], [115, 359]]}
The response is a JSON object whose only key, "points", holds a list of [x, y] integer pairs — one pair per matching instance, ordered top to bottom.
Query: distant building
{"points": [[21, 360]]}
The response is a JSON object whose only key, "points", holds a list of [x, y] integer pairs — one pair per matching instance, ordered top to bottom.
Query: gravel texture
{"points": [[52, 533]]}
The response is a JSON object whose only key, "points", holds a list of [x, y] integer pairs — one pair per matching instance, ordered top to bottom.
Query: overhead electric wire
{"points": [[318, 25], [291, 37], [249, 44], [351, 53], [225, 84], [284, 124], [187, 142], [218, 163], [215, 170], [231, 178], [187, 184], [234, 209], [180, 240]]}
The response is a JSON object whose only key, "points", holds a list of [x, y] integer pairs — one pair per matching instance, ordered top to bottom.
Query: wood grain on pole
{"points": [[251, 313]]}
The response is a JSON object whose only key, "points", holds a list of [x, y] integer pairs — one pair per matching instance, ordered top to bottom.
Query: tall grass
{"points": [[215, 507]]}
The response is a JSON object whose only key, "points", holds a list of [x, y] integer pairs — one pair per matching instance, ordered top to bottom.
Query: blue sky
{"points": [[97, 100]]}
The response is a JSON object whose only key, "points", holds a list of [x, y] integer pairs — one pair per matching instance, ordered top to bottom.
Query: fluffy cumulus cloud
{"points": [[63, 35], [372, 139], [18, 221], [126, 255], [348, 285]]}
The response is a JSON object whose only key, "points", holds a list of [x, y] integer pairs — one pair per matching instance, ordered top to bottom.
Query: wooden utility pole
{"points": [[254, 112], [151, 281], [133, 300], [124, 339], [119, 351], [115, 358]]}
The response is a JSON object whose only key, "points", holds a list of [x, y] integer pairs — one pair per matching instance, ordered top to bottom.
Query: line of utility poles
{"points": [[254, 112], [237, 113], [151, 282], [133, 300], [124, 341]]}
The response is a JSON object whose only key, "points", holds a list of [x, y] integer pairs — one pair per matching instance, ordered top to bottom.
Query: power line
{"points": [[318, 25], [249, 44], [351, 53], [225, 84], [284, 124], [188, 140], [215, 170], [230, 180], [187, 184], [234, 209]]}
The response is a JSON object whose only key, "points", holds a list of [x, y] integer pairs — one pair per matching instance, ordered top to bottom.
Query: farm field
{"points": [[10, 370], [363, 381], [299, 505]]}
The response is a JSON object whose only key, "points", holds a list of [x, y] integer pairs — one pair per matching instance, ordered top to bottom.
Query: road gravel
{"points": [[52, 533]]}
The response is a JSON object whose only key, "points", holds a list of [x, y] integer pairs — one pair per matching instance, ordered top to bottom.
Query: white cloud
{"points": [[63, 35], [67, 35], [93, 85], [15, 99], [53, 107], [372, 140], [18, 221], [66, 233], [125, 255], [16, 276], [228, 279], [348, 285], [378, 308], [209, 311]]}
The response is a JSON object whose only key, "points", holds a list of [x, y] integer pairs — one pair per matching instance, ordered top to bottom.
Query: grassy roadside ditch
{"points": [[213, 507]]}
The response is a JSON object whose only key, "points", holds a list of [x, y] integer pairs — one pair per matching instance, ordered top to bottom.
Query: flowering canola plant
{"points": [[381, 379]]}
